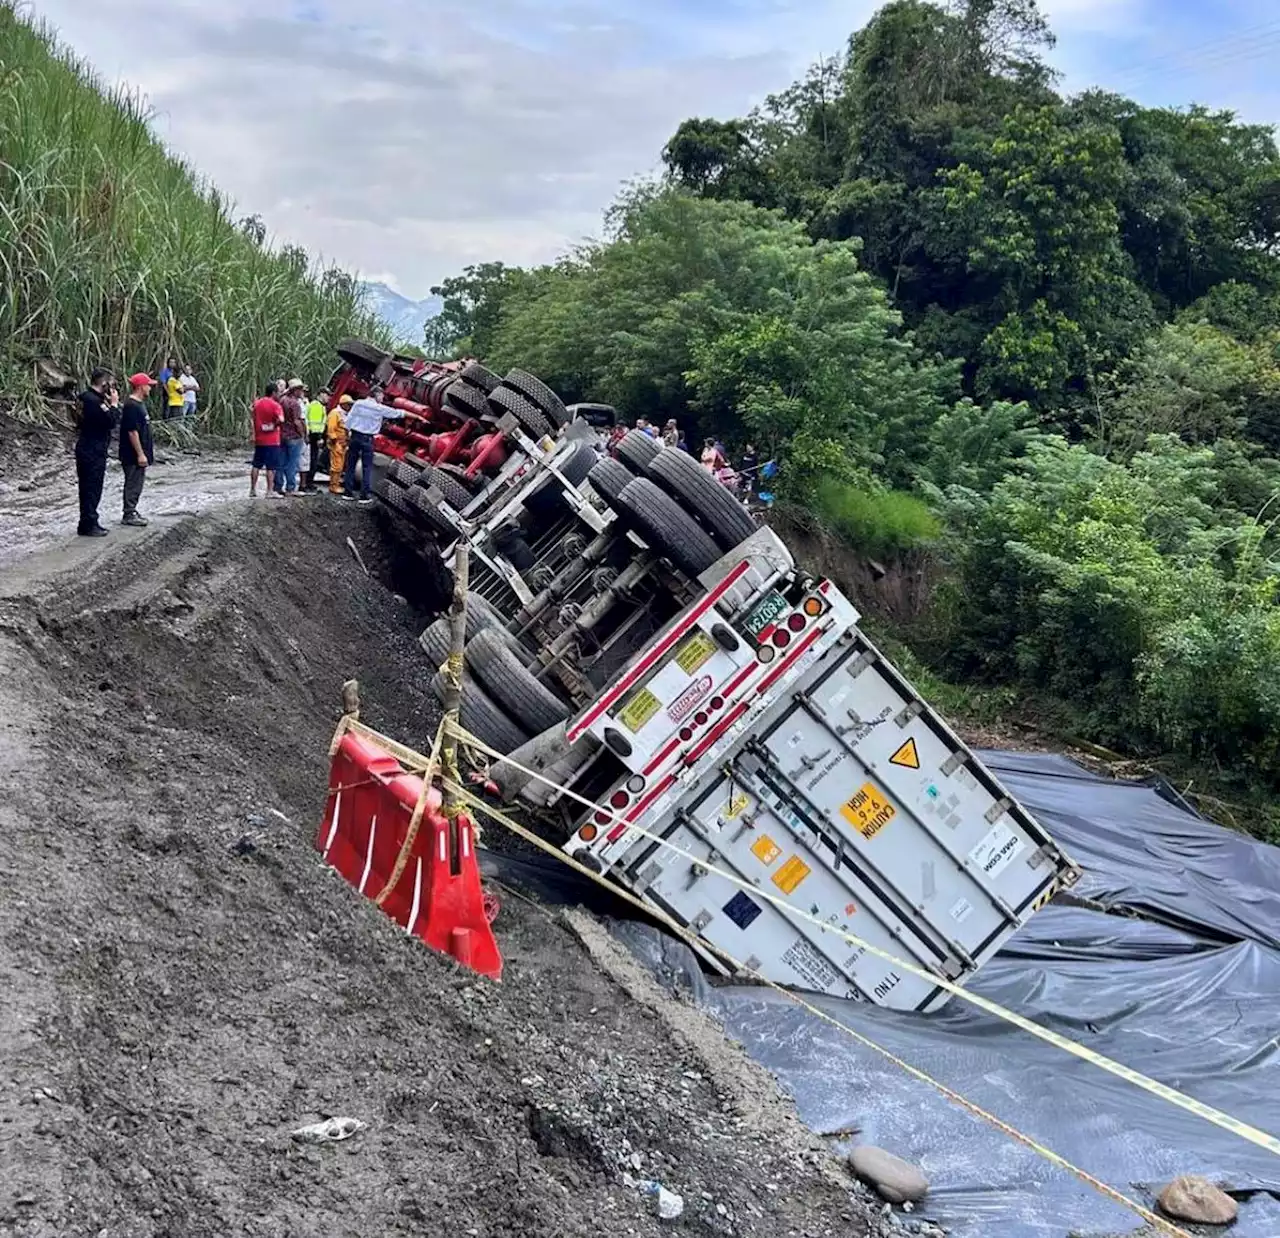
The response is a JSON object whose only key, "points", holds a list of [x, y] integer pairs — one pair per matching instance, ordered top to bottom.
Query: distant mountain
{"points": [[406, 318]]}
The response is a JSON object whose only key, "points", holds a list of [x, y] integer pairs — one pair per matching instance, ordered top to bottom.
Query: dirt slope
{"points": [[173, 1007]]}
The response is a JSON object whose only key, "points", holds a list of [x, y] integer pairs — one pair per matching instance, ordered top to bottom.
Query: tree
{"points": [[472, 310]]}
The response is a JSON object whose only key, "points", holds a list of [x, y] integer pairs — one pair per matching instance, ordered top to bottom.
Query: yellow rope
{"points": [[1187, 1103], [1048, 1154]]}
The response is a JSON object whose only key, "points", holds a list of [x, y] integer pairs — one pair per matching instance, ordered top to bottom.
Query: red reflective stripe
{"points": [[763, 635], [659, 649], [770, 679], [736, 682], [716, 731], [663, 754], [618, 830]]}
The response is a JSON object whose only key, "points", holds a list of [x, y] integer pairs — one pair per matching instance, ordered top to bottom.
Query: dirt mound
{"points": [[185, 983]]}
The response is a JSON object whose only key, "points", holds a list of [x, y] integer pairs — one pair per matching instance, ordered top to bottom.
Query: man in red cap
{"points": [[136, 450]]}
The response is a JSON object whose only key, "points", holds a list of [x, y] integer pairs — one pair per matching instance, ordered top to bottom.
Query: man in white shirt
{"points": [[189, 389], [364, 420]]}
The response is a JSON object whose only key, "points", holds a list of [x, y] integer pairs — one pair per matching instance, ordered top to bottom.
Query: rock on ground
{"points": [[897, 1180], [1196, 1199]]}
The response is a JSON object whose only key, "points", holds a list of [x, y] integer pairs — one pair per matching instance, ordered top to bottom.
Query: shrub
{"points": [[876, 522]]}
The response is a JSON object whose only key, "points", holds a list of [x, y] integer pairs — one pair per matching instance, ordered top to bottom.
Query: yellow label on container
{"points": [[694, 652], [637, 711], [736, 806], [868, 811], [765, 849], [791, 874]]}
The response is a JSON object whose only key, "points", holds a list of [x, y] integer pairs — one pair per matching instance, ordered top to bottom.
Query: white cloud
{"points": [[415, 136]]}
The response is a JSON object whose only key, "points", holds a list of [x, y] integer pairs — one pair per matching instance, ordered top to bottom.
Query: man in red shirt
{"points": [[267, 418]]}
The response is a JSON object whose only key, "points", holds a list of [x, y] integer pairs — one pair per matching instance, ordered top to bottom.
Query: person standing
{"points": [[172, 388], [190, 390], [317, 410], [267, 416], [95, 419], [364, 420], [335, 429], [293, 433], [137, 453], [712, 457], [747, 467]]}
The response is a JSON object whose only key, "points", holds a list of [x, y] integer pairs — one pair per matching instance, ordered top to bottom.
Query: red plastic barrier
{"points": [[437, 896]]}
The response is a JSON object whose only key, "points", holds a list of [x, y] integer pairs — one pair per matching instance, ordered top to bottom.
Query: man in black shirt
{"points": [[97, 418], [136, 450]]}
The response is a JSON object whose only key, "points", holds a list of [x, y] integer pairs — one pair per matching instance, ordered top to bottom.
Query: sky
{"points": [[404, 139]]}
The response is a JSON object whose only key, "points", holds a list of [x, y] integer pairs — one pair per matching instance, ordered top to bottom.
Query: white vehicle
{"points": [[637, 640]]}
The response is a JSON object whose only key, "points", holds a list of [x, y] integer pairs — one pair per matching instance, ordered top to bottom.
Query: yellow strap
{"points": [[1189, 1104], [1152, 1219]]}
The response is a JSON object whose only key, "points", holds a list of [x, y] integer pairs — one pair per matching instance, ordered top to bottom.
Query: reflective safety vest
{"points": [[315, 417]]}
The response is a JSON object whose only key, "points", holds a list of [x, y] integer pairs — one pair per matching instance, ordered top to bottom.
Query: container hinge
{"points": [[860, 664], [913, 710], [952, 763], [998, 809], [1039, 856], [698, 870], [649, 874], [700, 921], [752, 964]]}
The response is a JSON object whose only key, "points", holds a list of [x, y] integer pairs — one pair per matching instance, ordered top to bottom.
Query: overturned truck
{"points": [[638, 641]]}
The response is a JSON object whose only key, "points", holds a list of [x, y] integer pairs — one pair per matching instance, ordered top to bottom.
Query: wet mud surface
{"points": [[185, 983]]}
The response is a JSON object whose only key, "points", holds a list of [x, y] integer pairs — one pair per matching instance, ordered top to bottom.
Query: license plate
{"points": [[765, 612]]}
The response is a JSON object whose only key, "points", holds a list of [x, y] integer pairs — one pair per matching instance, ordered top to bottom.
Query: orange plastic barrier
{"points": [[437, 896]]}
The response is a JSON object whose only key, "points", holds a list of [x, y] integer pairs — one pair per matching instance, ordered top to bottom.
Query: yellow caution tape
{"points": [[1189, 1104], [1153, 1219]]}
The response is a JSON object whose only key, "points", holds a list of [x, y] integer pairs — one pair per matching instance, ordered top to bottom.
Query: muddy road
{"points": [[39, 505], [185, 983]]}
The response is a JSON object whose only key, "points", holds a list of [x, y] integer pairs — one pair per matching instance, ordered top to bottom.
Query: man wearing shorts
{"points": [[267, 419]]}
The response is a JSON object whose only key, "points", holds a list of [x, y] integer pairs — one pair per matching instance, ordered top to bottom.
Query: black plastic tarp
{"points": [[1192, 1000]]}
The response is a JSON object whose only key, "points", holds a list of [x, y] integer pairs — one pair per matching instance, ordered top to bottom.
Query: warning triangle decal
{"points": [[906, 756]]}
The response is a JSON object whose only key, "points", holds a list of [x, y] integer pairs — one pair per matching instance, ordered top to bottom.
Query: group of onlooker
{"points": [[179, 389], [99, 410], [340, 440], [714, 458]]}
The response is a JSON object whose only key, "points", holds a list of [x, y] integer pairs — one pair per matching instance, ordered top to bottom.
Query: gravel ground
{"points": [[186, 983]]}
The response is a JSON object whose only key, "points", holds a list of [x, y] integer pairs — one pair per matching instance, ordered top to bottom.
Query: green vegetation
{"points": [[112, 252], [1038, 336]]}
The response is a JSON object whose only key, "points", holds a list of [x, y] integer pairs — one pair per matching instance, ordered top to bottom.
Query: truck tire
{"points": [[361, 355], [479, 376], [539, 395], [465, 399], [504, 400], [636, 450], [416, 463], [574, 466], [404, 473], [609, 478], [686, 481], [472, 485], [455, 493], [393, 495], [424, 510], [667, 527], [481, 617], [435, 642], [512, 685], [481, 716]]}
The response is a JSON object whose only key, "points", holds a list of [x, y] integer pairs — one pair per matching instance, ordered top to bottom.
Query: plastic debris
{"points": [[331, 1130], [670, 1205]]}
